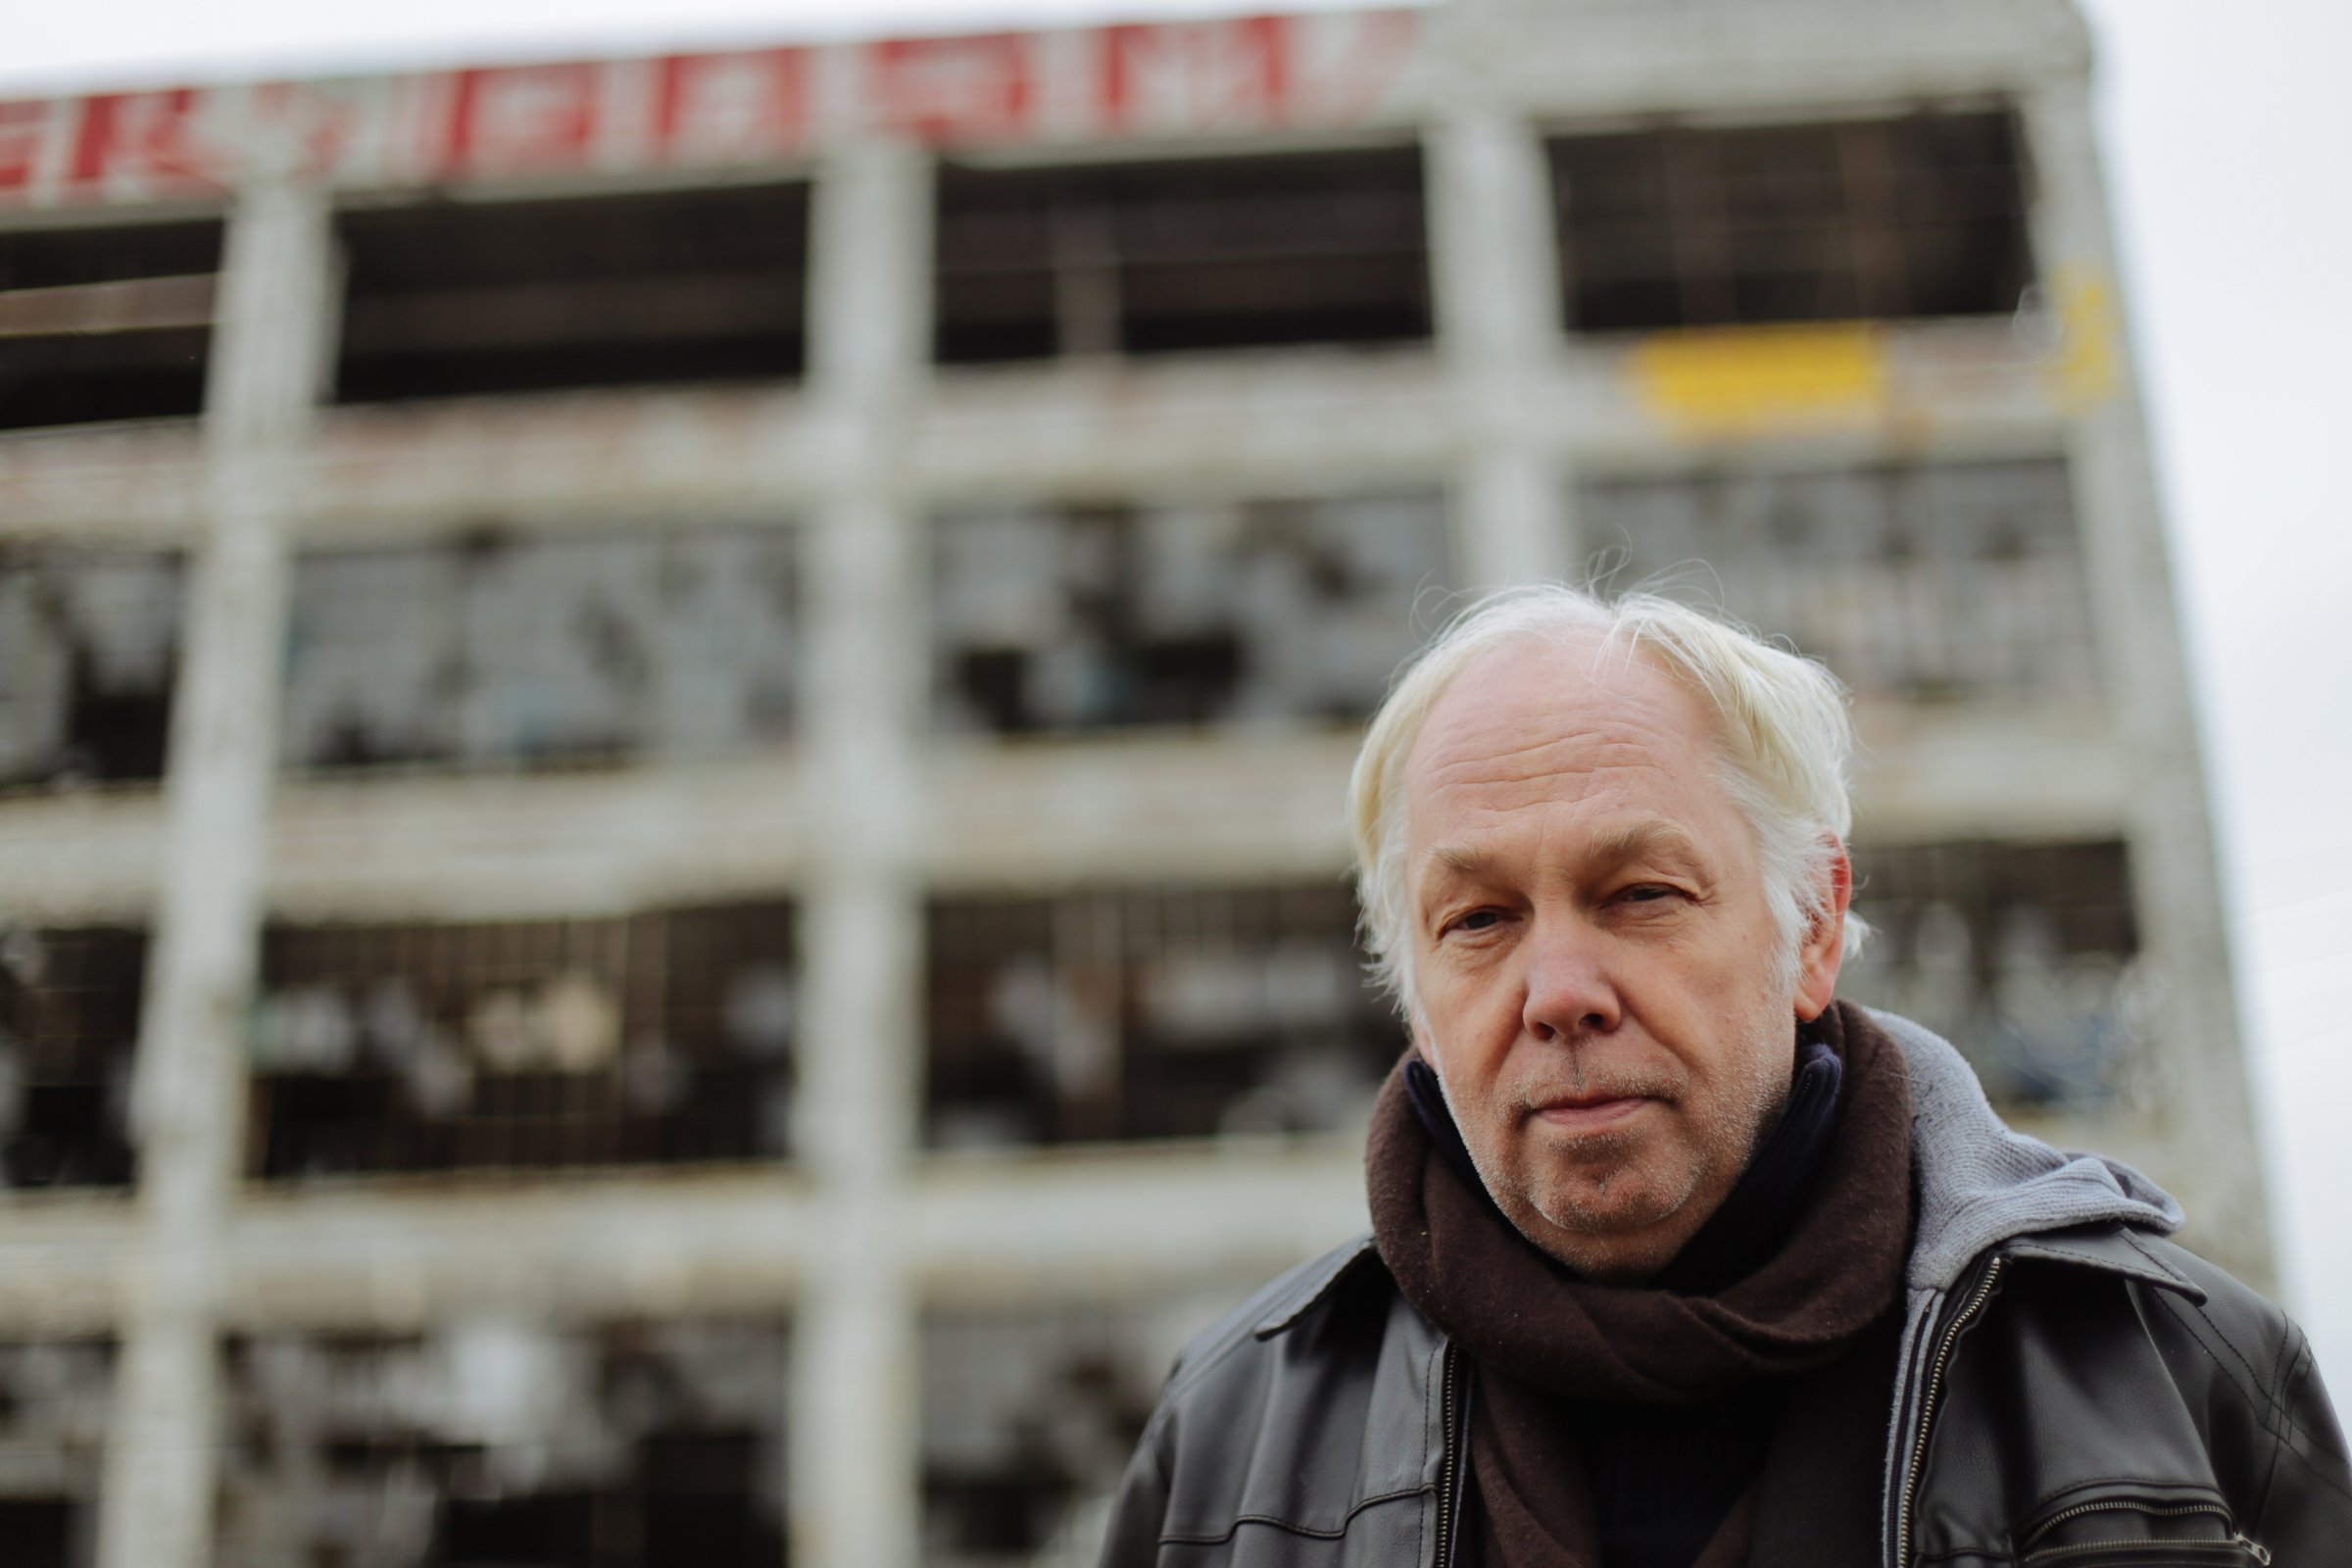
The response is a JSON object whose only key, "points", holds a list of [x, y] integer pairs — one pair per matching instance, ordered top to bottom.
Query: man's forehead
{"points": [[1530, 690]]}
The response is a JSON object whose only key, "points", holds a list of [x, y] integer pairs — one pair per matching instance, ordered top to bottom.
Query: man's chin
{"points": [[1623, 1229]]}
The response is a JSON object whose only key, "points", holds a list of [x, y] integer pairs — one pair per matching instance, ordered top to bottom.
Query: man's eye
{"points": [[1647, 893], [1477, 920]]}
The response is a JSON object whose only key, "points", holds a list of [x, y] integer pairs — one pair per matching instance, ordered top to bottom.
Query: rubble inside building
{"points": [[1709, 226], [1167, 256], [457, 298], [105, 321], [1925, 582], [1210, 613], [89, 647], [498, 649], [2025, 956], [1140, 1014], [69, 1028], [658, 1038], [54, 1398], [1029, 1419], [501, 1442]]}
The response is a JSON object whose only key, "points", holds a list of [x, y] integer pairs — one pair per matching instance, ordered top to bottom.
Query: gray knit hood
{"points": [[1980, 1184]]}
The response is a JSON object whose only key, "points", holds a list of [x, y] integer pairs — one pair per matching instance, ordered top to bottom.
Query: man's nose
{"points": [[1571, 987]]}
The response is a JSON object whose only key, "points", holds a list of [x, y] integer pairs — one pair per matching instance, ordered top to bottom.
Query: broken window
{"points": [[1921, 216], [1157, 258], [450, 297], [105, 322], [1926, 581], [1075, 617], [89, 643], [506, 650], [2021, 954], [1169, 1013], [69, 1025], [655, 1039], [54, 1401], [1029, 1418], [500, 1442]]}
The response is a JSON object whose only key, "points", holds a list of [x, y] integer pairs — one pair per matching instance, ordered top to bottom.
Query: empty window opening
{"points": [[1923, 216], [1158, 258], [451, 298], [111, 323], [1923, 582], [1263, 612], [89, 643], [499, 650], [2025, 956], [1136, 1014], [69, 1025], [657, 1039], [54, 1398], [1029, 1419], [498, 1443]]}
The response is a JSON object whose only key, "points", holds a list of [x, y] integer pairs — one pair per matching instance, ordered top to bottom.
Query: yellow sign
{"points": [[2082, 370], [1758, 378]]}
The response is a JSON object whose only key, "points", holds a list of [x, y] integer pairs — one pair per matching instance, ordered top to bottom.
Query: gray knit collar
{"points": [[1980, 1184]]}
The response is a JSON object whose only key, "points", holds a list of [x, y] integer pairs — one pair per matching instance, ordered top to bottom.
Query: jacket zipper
{"points": [[1926, 1405], [1453, 1456], [2118, 1505], [2237, 1538], [2237, 1547]]}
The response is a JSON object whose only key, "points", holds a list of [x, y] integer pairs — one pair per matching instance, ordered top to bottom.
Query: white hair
{"points": [[1780, 724]]}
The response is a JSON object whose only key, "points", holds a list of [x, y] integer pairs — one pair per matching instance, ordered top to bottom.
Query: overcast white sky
{"points": [[2229, 137]]}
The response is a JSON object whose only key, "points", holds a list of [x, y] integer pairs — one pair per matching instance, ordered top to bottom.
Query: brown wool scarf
{"points": [[1540, 1336]]}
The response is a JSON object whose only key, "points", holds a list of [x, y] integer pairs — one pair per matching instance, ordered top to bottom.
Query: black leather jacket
{"points": [[2076, 1395]]}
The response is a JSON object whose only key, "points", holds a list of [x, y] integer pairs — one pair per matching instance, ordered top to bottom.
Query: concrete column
{"points": [[1496, 279], [189, 1090], [2206, 1116], [855, 1487]]}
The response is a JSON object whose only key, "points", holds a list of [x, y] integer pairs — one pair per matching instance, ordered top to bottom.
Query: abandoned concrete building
{"points": [[671, 873]]}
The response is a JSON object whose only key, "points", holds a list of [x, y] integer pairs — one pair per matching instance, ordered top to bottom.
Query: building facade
{"points": [[672, 883]]}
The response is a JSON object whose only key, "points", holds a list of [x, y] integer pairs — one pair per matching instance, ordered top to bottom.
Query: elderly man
{"points": [[1677, 1261]]}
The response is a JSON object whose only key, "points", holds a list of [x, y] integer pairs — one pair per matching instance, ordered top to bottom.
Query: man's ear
{"points": [[1823, 947]]}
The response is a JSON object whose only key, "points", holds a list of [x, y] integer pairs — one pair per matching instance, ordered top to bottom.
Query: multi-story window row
{"points": [[1920, 215], [1923, 582], [1109, 1014]]}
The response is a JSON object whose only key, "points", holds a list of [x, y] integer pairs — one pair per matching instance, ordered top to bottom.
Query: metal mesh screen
{"points": [[1924, 216], [1161, 257], [477, 297], [1925, 582], [1216, 612], [89, 648], [510, 651], [2025, 956], [1150, 1013], [69, 1026], [658, 1038], [503, 1443]]}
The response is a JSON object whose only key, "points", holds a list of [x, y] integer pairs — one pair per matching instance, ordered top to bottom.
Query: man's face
{"points": [[1593, 959]]}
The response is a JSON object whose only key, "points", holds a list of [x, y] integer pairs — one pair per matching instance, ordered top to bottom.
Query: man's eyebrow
{"points": [[1632, 841], [1610, 847]]}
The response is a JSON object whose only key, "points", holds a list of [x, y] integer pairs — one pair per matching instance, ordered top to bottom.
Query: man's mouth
{"points": [[1590, 1112]]}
